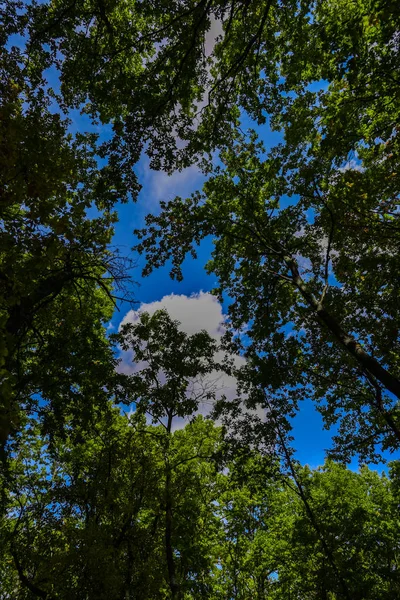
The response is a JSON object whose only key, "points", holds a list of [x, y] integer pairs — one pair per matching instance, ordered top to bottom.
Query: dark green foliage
{"points": [[306, 234], [57, 274], [99, 505], [87, 520]]}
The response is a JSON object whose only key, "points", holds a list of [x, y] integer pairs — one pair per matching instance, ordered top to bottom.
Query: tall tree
{"points": [[306, 233], [58, 274], [169, 381], [87, 519], [273, 550]]}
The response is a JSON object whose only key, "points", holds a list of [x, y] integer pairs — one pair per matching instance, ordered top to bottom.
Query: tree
{"points": [[149, 82], [305, 233], [306, 239], [58, 273], [170, 368], [170, 381], [353, 509], [86, 519], [270, 548]]}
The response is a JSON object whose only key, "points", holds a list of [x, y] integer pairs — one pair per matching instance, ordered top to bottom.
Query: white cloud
{"points": [[212, 35], [211, 38], [158, 185], [195, 312]]}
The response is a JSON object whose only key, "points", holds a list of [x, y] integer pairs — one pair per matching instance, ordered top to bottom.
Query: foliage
{"points": [[314, 218], [306, 233], [57, 271], [170, 367], [96, 504], [85, 519]]}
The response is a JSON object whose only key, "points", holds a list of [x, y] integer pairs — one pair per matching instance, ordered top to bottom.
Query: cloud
{"points": [[212, 35], [211, 38], [158, 185], [161, 186], [196, 312]]}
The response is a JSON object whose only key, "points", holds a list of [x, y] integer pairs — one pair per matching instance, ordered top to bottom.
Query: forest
{"points": [[146, 453]]}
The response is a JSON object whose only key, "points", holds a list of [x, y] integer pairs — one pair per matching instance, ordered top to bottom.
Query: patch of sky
{"points": [[16, 40], [318, 86]]}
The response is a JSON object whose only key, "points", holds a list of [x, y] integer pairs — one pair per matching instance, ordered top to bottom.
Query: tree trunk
{"points": [[369, 365], [168, 521]]}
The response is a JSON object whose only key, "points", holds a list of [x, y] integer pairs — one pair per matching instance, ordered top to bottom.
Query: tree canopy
{"points": [[306, 232], [112, 484], [88, 520]]}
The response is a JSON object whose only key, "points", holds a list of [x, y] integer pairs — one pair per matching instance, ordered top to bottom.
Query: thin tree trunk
{"points": [[369, 365], [307, 506], [169, 522]]}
